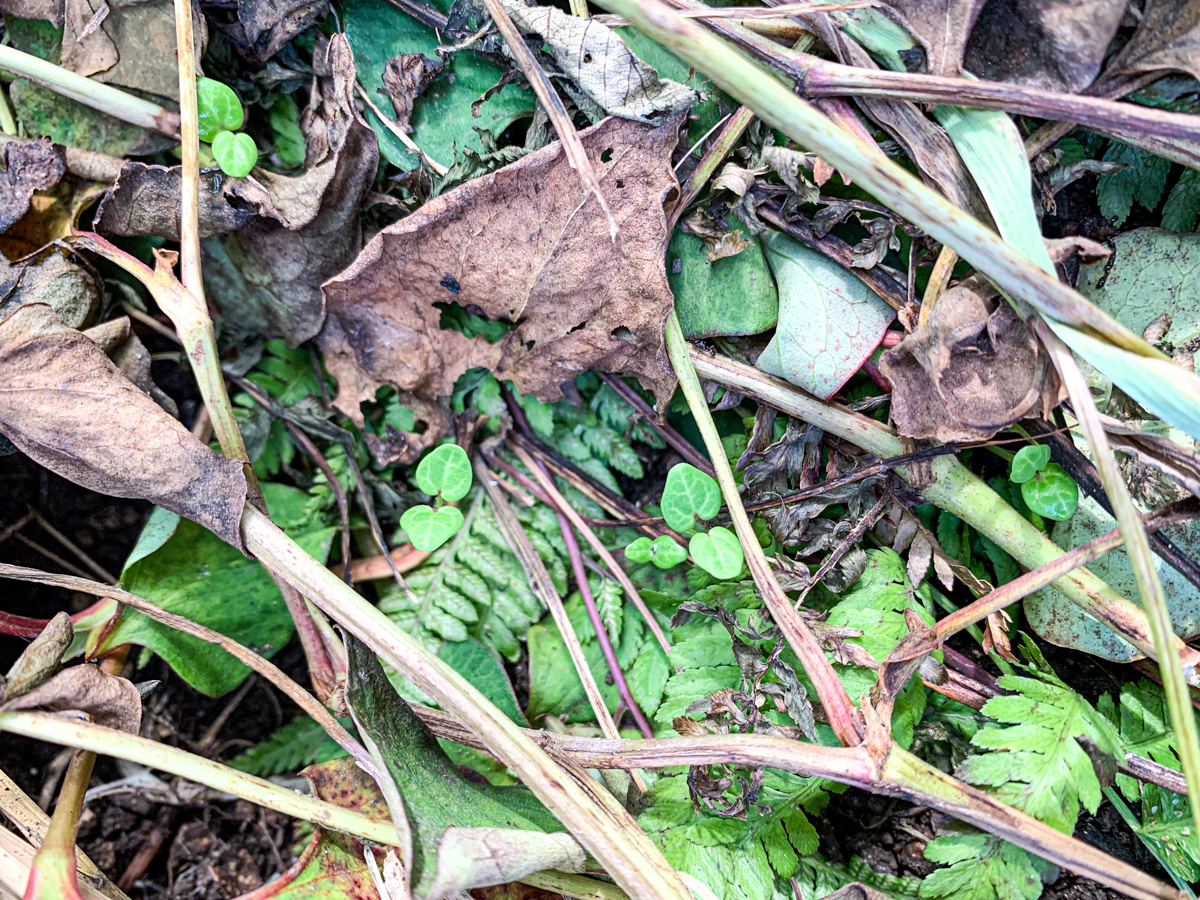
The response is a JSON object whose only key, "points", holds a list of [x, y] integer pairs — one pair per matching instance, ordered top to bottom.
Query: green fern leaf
{"points": [[610, 602], [299, 743], [980, 867]]}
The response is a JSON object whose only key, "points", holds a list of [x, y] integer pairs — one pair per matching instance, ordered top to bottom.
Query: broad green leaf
{"points": [[218, 109], [443, 119], [236, 153], [1151, 271], [734, 295], [829, 321], [1028, 461], [445, 472], [1051, 493], [689, 495], [428, 528], [663, 551], [717, 551], [197, 575], [1061, 622], [482, 666], [435, 794]]}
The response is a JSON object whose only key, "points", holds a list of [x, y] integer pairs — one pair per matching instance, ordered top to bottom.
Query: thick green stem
{"points": [[98, 96], [956, 490]]}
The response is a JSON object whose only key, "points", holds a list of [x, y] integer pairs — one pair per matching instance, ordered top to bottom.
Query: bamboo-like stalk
{"points": [[102, 97], [957, 490], [839, 709], [120, 744], [624, 850]]}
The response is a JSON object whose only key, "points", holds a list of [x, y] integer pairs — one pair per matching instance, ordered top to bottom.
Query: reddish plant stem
{"points": [[589, 602]]}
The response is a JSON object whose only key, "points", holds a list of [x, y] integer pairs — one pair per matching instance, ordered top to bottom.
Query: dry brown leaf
{"points": [[51, 10], [269, 24], [941, 26], [1167, 38], [1054, 44], [591, 55], [404, 78], [28, 167], [718, 242], [525, 245], [266, 277], [69, 286], [122, 345], [971, 369], [66, 406], [920, 553], [40, 660], [904, 660], [85, 690], [479, 857]]}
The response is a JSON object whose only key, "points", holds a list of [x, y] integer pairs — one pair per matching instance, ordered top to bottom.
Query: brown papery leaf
{"points": [[51, 10], [269, 24], [942, 27], [1167, 38], [1054, 44], [404, 78], [28, 167], [525, 245], [69, 286], [122, 345], [971, 369], [67, 407], [40, 660], [904, 660], [86, 691], [479, 857]]}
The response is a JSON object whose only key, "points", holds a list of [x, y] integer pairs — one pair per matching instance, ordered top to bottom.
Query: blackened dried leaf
{"points": [[269, 24], [1054, 44], [404, 78], [29, 166], [524, 245], [871, 250], [66, 406], [40, 660], [85, 690]]}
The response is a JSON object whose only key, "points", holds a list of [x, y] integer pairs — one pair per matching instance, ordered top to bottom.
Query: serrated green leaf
{"points": [[1143, 179], [1183, 203], [481, 665], [297, 744], [980, 867]]}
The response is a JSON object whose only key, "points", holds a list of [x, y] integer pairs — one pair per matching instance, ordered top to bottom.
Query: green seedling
{"points": [[218, 107], [235, 153], [1028, 462], [444, 474], [1051, 493], [689, 497], [428, 528], [662, 551], [718, 552]]}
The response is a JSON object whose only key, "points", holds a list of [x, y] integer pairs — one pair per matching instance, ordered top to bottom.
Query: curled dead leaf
{"points": [[269, 24], [942, 27], [1168, 37], [404, 78], [28, 167], [718, 242], [524, 245], [122, 345], [971, 369], [66, 406], [40, 660], [900, 665], [85, 690], [478, 857]]}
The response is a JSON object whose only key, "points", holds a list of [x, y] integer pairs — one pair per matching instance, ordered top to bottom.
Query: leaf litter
{"points": [[382, 288]]}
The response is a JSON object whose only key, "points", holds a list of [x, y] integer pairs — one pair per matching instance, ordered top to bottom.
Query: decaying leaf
{"points": [[51, 10], [269, 24], [942, 27], [1168, 37], [1054, 44], [130, 45], [594, 57], [404, 78], [28, 167], [719, 243], [523, 245], [871, 250], [267, 277], [70, 287], [122, 345], [971, 369], [65, 405], [40, 660], [86, 691], [479, 857]]}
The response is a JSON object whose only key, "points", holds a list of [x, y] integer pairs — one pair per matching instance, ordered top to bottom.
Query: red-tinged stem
{"points": [[589, 602]]}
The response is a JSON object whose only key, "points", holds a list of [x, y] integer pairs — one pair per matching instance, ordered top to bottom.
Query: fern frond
{"points": [[299, 743]]}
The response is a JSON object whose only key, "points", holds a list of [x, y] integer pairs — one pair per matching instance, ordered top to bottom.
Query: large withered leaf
{"points": [[942, 27], [1167, 38], [1054, 44], [28, 167], [524, 245], [268, 278], [66, 406], [40, 660], [86, 690]]}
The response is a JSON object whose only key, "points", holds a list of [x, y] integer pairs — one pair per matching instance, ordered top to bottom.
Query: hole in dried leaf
{"points": [[606, 155], [623, 333]]}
